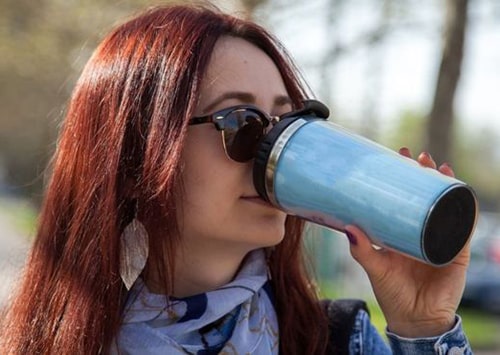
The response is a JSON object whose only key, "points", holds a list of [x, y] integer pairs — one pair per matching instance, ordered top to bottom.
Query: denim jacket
{"points": [[365, 339]]}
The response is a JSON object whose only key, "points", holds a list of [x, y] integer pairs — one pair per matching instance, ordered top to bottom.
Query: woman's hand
{"points": [[417, 300]]}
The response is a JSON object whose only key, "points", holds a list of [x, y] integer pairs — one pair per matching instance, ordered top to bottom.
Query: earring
{"points": [[134, 250]]}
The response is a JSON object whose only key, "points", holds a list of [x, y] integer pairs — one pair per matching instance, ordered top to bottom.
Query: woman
{"points": [[141, 166]]}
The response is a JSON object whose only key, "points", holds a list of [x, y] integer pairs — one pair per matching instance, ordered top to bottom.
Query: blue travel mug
{"points": [[317, 170]]}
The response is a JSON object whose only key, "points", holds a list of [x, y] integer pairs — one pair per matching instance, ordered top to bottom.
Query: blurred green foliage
{"points": [[44, 45], [21, 213], [481, 328]]}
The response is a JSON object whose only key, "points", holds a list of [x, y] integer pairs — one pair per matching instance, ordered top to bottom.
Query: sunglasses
{"points": [[242, 128]]}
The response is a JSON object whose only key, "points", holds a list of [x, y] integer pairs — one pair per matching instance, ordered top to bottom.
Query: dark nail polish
{"points": [[352, 238]]}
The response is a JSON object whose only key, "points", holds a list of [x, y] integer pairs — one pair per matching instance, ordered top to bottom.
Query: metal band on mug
{"points": [[274, 156]]}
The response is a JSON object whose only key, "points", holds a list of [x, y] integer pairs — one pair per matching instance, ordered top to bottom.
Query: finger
{"points": [[404, 151], [426, 160], [446, 170], [363, 252], [463, 257]]}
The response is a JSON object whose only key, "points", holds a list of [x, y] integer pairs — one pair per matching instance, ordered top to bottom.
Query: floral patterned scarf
{"points": [[238, 318]]}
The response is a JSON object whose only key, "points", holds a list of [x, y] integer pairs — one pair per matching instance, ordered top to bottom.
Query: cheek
{"points": [[204, 162], [211, 182], [207, 189], [208, 206]]}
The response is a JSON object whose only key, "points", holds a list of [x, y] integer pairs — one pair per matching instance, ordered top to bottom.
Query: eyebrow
{"points": [[246, 97]]}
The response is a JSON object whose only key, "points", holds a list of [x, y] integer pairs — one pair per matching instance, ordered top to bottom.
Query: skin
{"points": [[222, 218]]}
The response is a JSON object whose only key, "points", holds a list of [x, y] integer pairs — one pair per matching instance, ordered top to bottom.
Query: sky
{"points": [[399, 74]]}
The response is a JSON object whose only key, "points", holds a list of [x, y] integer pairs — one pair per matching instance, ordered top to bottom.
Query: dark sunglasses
{"points": [[242, 128]]}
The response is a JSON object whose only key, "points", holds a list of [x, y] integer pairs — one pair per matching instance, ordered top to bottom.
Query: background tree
{"points": [[440, 121]]}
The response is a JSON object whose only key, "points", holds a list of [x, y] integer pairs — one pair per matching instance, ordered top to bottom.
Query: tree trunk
{"points": [[440, 120]]}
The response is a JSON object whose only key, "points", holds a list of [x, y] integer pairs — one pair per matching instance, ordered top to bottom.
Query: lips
{"points": [[251, 196], [257, 199]]}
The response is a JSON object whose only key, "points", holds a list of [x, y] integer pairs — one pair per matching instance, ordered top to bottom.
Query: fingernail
{"points": [[404, 151], [352, 239]]}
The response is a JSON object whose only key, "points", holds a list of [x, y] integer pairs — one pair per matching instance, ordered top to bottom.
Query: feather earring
{"points": [[134, 250]]}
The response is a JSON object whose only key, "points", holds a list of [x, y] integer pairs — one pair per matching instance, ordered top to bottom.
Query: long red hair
{"points": [[119, 148]]}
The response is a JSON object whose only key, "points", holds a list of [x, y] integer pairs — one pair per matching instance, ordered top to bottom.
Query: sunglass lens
{"points": [[242, 131]]}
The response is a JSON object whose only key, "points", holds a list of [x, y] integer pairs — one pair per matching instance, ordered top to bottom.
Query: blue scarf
{"points": [[238, 318]]}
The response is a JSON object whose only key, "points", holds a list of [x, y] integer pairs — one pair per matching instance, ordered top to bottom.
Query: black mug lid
{"points": [[312, 109]]}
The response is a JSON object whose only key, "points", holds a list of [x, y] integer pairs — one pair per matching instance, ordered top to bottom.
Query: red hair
{"points": [[126, 122]]}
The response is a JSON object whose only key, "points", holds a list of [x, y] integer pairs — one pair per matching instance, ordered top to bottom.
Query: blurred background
{"points": [[422, 74]]}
